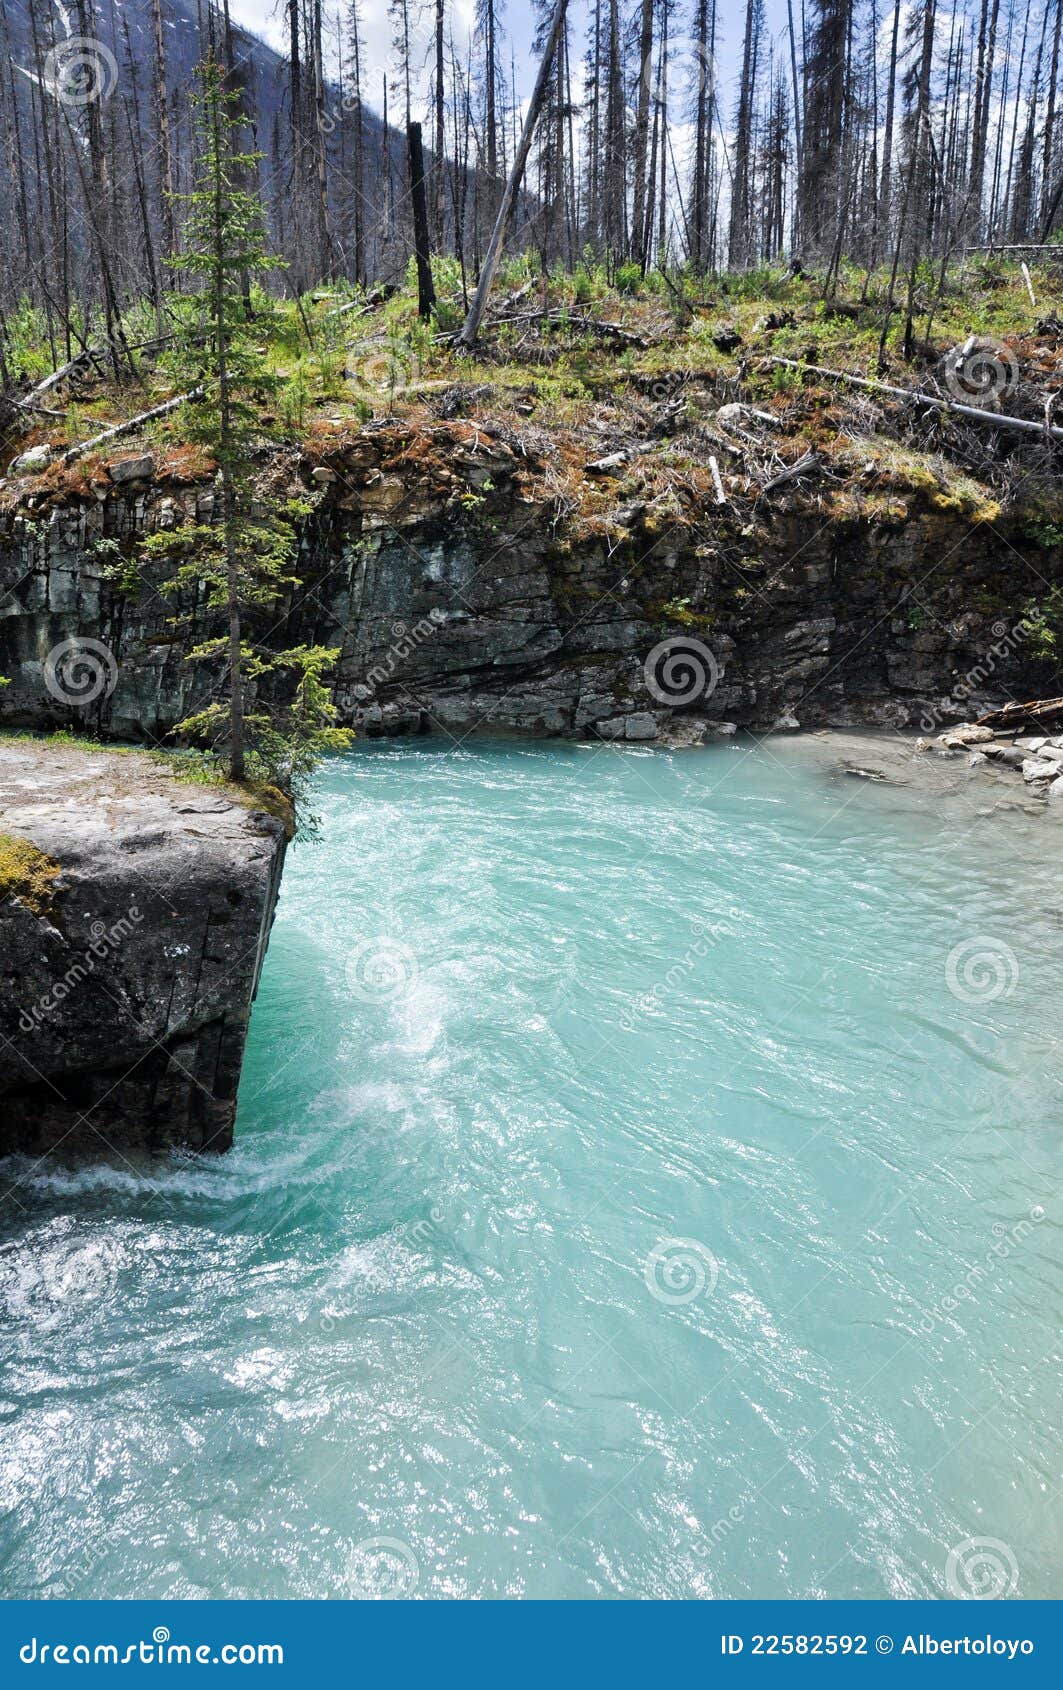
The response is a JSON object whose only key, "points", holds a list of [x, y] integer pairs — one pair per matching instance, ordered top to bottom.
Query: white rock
{"points": [[33, 462], [323, 476], [968, 733], [1031, 744], [976, 758], [1033, 770], [1055, 790]]}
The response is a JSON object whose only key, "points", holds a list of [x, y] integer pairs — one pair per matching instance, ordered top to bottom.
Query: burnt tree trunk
{"points": [[426, 293]]}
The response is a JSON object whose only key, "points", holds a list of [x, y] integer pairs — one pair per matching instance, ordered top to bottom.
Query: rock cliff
{"points": [[466, 593], [134, 914]]}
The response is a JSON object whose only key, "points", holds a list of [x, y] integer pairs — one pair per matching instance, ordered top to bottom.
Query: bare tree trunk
{"points": [[162, 125], [642, 125], [439, 162], [426, 293], [471, 329]]}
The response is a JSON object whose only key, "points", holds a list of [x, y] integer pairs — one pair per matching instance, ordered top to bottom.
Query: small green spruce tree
{"points": [[243, 558]]}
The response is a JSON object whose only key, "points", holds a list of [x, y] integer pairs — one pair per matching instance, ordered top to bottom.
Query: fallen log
{"points": [[611, 331], [45, 387], [995, 419], [119, 429], [804, 466], [1014, 715]]}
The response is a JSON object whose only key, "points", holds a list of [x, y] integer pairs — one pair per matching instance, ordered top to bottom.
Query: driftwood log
{"points": [[1039, 710]]}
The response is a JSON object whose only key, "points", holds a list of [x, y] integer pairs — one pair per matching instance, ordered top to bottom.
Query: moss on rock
{"points": [[26, 873]]}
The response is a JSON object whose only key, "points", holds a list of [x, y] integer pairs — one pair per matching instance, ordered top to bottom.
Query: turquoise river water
{"points": [[646, 1185]]}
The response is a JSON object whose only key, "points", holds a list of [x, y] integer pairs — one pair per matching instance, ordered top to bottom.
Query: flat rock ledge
{"points": [[126, 990]]}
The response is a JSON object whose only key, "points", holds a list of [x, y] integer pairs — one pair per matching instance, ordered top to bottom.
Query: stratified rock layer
{"points": [[464, 596], [124, 1005]]}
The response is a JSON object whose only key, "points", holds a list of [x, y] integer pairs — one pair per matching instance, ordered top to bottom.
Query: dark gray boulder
{"points": [[126, 984]]}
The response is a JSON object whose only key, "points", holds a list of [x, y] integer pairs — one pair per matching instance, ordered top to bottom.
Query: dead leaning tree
{"points": [[471, 329], [995, 419]]}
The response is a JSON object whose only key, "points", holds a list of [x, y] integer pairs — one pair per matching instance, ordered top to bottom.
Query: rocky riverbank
{"points": [[471, 582], [467, 590], [1035, 759], [135, 910]]}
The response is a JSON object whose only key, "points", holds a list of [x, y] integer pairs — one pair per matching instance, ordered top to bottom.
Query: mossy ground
{"points": [[339, 367], [26, 873]]}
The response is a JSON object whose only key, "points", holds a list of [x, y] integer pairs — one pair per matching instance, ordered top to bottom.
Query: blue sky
{"points": [[266, 17]]}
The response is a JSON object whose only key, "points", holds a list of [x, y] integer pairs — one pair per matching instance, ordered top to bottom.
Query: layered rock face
{"points": [[464, 596], [126, 983]]}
